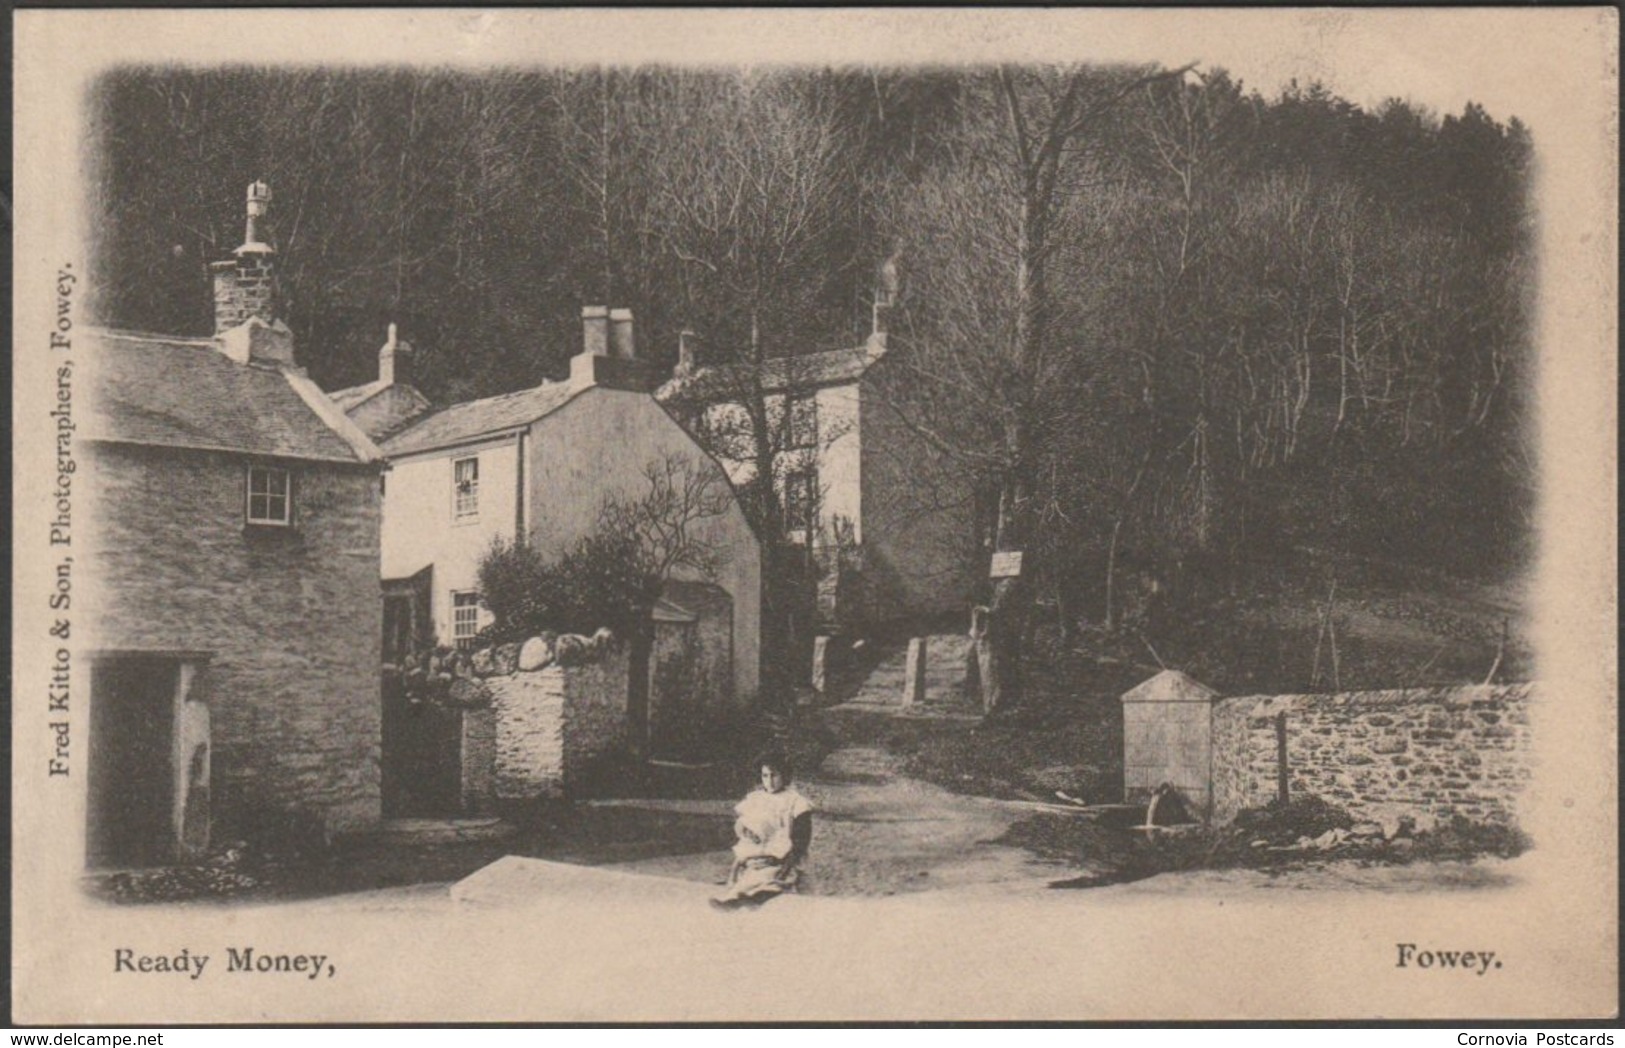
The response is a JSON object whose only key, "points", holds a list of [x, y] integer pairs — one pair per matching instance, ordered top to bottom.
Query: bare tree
{"points": [[753, 206], [998, 359], [660, 522]]}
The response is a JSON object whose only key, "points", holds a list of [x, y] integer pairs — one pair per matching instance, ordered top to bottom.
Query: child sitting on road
{"points": [[774, 827]]}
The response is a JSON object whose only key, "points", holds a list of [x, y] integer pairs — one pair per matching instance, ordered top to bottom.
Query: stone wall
{"points": [[291, 617], [545, 726], [1443, 751], [528, 756]]}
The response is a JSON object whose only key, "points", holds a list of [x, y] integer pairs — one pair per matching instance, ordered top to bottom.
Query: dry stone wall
{"points": [[537, 715], [1440, 751], [528, 758]]}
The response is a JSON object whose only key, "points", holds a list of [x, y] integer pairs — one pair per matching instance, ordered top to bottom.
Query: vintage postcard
{"points": [[774, 516]]}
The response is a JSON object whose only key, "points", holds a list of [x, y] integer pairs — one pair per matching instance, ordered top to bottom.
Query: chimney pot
{"points": [[259, 200], [245, 286], [595, 331], [621, 343]]}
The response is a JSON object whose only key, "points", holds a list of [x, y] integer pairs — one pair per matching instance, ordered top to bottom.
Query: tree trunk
{"points": [[1009, 609]]}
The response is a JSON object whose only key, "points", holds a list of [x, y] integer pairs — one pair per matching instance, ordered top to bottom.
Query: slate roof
{"points": [[829, 368], [184, 393], [356, 395], [459, 423]]}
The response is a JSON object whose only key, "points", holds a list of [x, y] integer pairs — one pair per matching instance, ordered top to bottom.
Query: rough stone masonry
{"points": [[1444, 751]]}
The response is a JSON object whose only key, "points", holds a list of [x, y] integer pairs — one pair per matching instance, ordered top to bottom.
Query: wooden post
{"points": [[1281, 770]]}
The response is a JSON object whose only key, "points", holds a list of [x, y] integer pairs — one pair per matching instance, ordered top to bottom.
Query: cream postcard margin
{"points": [[1067, 956]]}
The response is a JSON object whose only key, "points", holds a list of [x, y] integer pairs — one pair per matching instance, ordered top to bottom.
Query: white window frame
{"points": [[268, 494], [462, 511], [464, 641]]}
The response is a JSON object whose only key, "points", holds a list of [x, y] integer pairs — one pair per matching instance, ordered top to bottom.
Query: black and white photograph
{"points": [[802, 516]]}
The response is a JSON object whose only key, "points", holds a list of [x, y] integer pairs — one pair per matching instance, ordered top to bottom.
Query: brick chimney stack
{"points": [[245, 285], [245, 291], [395, 361]]}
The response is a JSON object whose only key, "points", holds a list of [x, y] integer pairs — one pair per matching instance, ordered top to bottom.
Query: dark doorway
{"points": [[406, 616], [399, 633], [689, 672], [422, 749], [132, 771]]}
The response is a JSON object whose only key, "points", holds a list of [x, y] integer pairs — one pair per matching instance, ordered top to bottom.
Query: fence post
{"points": [[1282, 772]]}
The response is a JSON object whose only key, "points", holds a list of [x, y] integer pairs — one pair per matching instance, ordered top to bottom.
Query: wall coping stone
{"points": [[566, 651], [1463, 695]]}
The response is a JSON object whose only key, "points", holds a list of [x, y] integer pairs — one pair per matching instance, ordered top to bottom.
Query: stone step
{"points": [[946, 677]]}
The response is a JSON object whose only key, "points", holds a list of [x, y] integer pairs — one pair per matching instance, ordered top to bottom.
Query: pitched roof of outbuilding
{"points": [[809, 370], [180, 392], [357, 395], [460, 423]]}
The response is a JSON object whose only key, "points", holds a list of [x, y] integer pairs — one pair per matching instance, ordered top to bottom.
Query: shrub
{"points": [[612, 576], [596, 583]]}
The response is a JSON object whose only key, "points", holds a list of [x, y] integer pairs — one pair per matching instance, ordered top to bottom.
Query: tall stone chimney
{"points": [[245, 285], [245, 291], [395, 361]]}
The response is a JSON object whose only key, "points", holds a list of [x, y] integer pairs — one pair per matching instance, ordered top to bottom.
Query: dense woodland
{"points": [[1157, 317]]}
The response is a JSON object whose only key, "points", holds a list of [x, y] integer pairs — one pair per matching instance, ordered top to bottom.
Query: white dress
{"points": [[764, 827]]}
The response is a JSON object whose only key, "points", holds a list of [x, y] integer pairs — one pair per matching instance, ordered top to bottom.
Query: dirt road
{"points": [[879, 832]]}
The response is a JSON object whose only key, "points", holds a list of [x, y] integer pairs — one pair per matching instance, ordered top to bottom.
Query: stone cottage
{"points": [[539, 463], [890, 523], [234, 682]]}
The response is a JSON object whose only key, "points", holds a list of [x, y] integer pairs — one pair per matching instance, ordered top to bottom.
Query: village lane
{"points": [[879, 832]]}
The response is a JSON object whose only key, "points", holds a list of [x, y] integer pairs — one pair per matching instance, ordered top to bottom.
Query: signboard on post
{"points": [[1006, 565]]}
